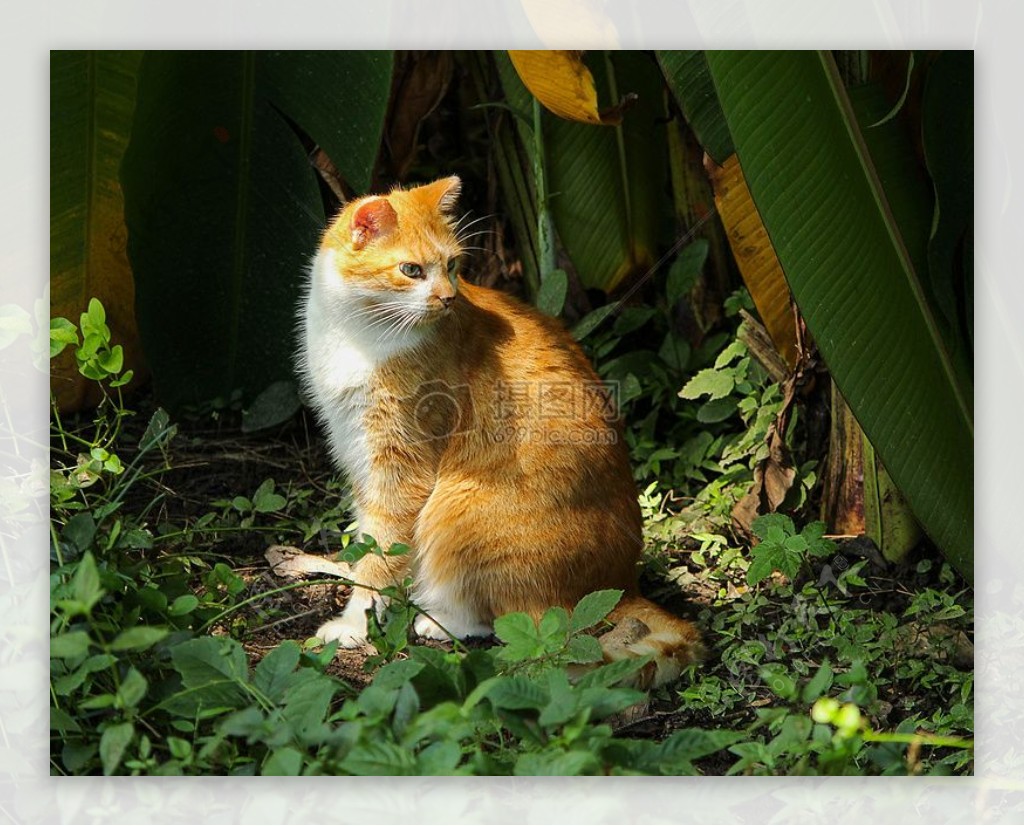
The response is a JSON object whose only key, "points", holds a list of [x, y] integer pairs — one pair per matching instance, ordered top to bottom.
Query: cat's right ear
{"points": [[372, 219]]}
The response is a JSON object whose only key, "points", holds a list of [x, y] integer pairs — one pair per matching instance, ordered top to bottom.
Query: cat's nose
{"points": [[446, 300]]}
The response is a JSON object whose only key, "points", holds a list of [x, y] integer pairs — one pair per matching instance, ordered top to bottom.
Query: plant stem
{"points": [[620, 141], [545, 228], [60, 426], [923, 739]]}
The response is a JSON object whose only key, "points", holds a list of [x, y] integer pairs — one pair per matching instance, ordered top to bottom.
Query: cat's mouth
{"points": [[433, 314]]}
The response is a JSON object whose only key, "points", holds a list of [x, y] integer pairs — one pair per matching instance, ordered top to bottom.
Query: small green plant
{"points": [[103, 362], [726, 384], [670, 440], [244, 510], [782, 549], [558, 639]]}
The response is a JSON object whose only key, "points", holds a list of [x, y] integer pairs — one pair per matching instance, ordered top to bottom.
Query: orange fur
{"points": [[480, 434]]}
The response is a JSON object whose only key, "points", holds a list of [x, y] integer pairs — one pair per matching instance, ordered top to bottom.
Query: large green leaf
{"points": [[690, 81], [92, 98], [903, 177], [813, 181], [607, 184], [223, 209]]}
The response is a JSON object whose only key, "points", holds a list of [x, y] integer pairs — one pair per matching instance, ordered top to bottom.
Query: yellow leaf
{"points": [[561, 81], [754, 253]]}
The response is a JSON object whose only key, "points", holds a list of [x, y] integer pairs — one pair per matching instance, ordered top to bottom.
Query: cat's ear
{"points": [[445, 193], [372, 219]]}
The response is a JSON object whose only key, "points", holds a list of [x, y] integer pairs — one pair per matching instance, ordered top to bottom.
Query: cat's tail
{"points": [[645, 629]]}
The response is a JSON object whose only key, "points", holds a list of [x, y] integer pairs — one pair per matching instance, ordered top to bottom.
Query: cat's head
{"points": [[398, 254]]}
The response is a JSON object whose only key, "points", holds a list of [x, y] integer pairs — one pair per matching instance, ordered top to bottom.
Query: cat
{"points": [[474, 430]]}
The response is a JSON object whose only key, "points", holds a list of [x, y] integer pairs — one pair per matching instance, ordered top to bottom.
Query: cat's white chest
{"points": [[341, 352], [338, 377], [345, 380]]}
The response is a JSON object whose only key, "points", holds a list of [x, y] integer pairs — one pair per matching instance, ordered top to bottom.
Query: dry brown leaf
{"points": [[329, 173], [761, 347], [773, 476], [842, 504]]}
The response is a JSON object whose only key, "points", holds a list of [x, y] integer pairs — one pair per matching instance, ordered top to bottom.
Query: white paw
{"points": [[425, 627], [445, 627], [348, 630]]}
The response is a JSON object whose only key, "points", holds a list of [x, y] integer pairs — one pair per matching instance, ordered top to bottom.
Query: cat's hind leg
{"points": [[446, 614], [440, 626]]}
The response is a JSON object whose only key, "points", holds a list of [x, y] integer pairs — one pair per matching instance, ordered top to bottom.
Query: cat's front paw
{"points": [[444, 628], [349, 631]]}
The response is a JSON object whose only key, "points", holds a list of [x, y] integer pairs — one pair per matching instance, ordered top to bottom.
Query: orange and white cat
{"points": [[472, 429]]}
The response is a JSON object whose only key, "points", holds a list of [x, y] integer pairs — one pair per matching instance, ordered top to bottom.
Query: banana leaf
{"points": [[687, 75], [562, 82], [92, 99], [813, 181], [607, 184], [223, 209]]}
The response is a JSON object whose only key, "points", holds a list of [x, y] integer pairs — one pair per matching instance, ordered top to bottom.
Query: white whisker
{"points": [[475, 220], [478, 233]]}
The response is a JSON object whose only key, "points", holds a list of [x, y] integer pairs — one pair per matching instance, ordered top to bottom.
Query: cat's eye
{"points": [[453, 263], [411, 270]]}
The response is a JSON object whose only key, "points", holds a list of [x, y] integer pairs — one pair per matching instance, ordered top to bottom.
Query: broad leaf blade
{"points": [[690, 81], [92, 99], [340, 99], [948, 139], [817, 192], [607, 205], [223, 208], [755, 256], [551, 298], [213, 674]]}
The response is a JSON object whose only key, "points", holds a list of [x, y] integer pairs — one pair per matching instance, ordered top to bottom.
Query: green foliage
{"points": [[687, 75], [605, 184], [845, 239], [217, 264], [551, 296], [706, 451], [782, 548], [559, 638], [790, 642], [160, 699]]}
